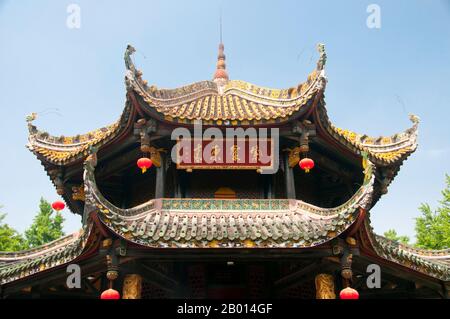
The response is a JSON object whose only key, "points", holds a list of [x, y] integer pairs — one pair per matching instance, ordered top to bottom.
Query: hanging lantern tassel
{"points": [[144, 164], [306, 164], [58, 205], [349, 293]]}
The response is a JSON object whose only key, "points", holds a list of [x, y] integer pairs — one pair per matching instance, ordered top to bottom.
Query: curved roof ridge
{"points": [[135, 75], [173, 93], [172, 103], [63, 142], [61, 149], [383, 150], [422, 252], [6, 256], [47, 256], [409, 256]]}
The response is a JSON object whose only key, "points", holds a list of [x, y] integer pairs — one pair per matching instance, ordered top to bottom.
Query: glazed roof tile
{"points": [[239, 101], [61, 150], [382, 150], [435, 263], [18, 265]]}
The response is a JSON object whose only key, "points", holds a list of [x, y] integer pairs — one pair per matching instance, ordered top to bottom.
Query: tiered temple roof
{"points": [[239, 104], [224, 223]]}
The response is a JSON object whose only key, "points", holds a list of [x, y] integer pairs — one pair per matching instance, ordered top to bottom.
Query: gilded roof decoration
{"points": [[234, 103], [63, 149], [59, 150], [383, 150]]}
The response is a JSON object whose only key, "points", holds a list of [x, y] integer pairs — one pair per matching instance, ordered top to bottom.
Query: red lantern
{"points": [[144, 163], [306, 164], [58, 205], [349, 293], [110, 294]]}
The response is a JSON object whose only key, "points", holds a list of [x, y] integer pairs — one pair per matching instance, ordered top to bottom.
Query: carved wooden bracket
{"points": [[144, 128], [305, 128], [155, 155], [294, 156], [57, 176], [78, 193], [346, 265]]}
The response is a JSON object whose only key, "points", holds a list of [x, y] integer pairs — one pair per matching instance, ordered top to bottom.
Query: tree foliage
{"points": [[46, 226], [433, 227], [392, 235], [10, 239]]}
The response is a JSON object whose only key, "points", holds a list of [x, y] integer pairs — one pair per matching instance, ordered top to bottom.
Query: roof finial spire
{"points": [[220, 25], [221, 74]]}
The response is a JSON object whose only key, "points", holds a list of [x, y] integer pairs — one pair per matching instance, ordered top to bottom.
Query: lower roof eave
{"points": [[397, 256]]}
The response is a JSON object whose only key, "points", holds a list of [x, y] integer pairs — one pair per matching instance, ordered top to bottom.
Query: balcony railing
{"points": [[225, 204]]}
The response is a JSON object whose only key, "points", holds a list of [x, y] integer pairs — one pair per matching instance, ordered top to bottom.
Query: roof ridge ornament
{"points": [[323, 56], [128, 62], [321, 66], [221, 75], [133, 76], [31, 117], [414, 119]]}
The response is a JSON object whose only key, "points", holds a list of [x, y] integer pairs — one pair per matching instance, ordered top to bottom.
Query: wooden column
{"points": [[288, 177], [161, 178], [182, 179], [268, 181], [176, 184], [186, 185], [325, 286], [132, 287]]}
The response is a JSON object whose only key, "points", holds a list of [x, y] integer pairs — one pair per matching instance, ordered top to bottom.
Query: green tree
{"points": [[47, 226], [433, 227], [392, 235], [10, 239]]}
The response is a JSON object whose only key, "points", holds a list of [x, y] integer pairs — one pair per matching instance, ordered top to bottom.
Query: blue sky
{"points": [[376, 76]]}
